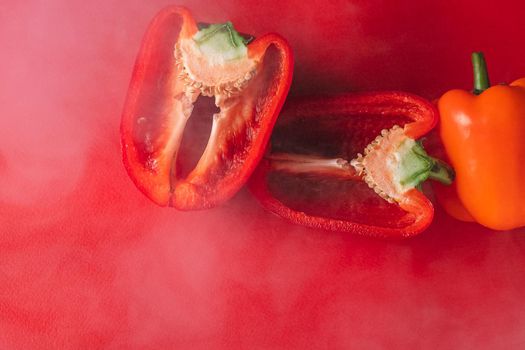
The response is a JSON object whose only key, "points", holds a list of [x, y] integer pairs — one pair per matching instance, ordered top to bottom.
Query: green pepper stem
{"points": [[221, 42], [481, 76], [417, 166], [441, 172]]}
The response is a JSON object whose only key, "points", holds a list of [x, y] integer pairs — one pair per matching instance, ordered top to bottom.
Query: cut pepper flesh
{"points": [[177, 64], [316, 175]]}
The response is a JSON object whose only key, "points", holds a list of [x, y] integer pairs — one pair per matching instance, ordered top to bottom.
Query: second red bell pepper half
{"points": [[179, 63], [352, 163]]}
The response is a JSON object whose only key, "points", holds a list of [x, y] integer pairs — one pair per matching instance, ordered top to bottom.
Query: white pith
{"points": [[212, 76], [381, 162], [307, 164]]}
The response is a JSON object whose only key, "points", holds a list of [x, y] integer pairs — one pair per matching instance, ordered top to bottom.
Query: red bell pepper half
{"points": [[180, 65], [351, 163]]}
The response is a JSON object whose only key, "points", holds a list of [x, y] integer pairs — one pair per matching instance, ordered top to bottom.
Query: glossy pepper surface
{"points": [[179, 65], [483, 133], [351, 163]]}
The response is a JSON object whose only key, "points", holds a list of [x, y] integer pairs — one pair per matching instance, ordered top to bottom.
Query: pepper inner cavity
{"points": [[195, 137], [392, 164]]}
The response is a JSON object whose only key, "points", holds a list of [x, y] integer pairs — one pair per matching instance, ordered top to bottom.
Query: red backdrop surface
{"points": [[86, 261]]}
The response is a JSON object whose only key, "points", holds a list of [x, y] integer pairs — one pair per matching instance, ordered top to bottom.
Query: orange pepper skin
{"points": [[484, 137], [448, 198]]}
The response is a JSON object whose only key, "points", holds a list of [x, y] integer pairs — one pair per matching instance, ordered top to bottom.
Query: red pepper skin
{"points": [[342, 126], [147, 148]]}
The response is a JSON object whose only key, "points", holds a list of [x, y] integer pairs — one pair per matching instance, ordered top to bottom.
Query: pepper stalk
{"points": [[481, 76]]}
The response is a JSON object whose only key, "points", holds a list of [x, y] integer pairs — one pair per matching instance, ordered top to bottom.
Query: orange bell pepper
{"points": [[483, 133]]}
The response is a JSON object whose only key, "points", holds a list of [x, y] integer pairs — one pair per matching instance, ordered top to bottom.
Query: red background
{"points": [[86, 261]]}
